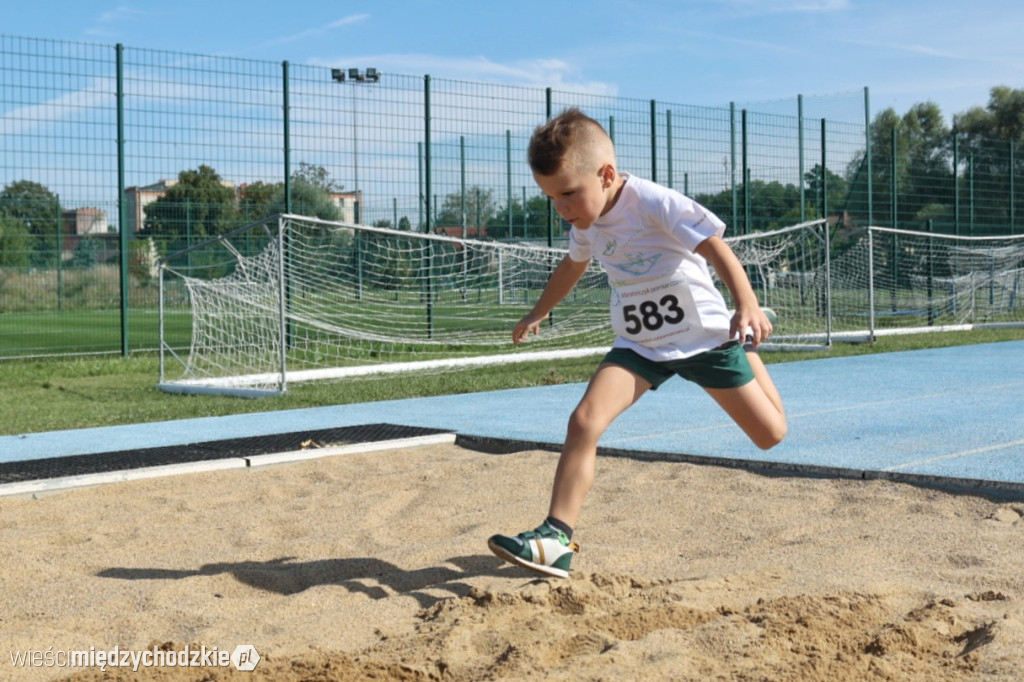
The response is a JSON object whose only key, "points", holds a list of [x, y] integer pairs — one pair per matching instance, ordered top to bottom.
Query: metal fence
{"points": [[111, 157]]}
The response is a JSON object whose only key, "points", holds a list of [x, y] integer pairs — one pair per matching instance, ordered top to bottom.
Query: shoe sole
{"points": [[502, 553]]}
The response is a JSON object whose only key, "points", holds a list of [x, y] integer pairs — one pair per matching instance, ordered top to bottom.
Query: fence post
{"points": [[286, 114], [654, 142], [668, 147], [867, 152], [800, 156], [732, 163], [745, 172], [824, 175], [508, 181], [956, 183], [427, 189], [462, 191], [121, 208], [551, 208], [1013, 208], [894, 218], [427, 220], [58, 229], [828, 233], [931, 275]]}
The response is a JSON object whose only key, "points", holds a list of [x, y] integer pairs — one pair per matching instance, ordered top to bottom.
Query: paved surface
{"points": [[955, 414]]}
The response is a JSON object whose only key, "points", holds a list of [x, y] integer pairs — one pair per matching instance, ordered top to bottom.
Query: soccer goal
{"points": [[892, 281], [293, 298]]}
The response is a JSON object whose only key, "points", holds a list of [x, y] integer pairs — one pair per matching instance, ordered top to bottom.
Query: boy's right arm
{"points": [[561, 282]]}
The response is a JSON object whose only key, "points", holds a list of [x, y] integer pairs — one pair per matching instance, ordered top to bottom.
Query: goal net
{"points": [[893, 281], [293, 298]]}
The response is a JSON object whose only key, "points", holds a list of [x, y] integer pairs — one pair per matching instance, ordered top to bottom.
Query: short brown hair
{"points": [[568, 138]]}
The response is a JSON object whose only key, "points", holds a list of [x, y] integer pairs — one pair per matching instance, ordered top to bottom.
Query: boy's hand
{"points": [[750, 320], [530, 324]]}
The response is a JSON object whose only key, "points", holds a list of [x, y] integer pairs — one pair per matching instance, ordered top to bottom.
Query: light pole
{"points": [[355, 76]]}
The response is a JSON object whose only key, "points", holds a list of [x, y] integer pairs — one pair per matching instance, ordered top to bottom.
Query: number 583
{"points": [[652, 315]]}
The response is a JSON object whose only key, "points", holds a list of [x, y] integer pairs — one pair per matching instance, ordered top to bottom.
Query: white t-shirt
{"points": [[664, 304]]}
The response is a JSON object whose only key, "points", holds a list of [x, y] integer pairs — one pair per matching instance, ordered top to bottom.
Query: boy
{"points": [[655, 245]]}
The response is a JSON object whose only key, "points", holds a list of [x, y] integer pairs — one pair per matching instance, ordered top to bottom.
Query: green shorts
{"points": [[723, 367]]}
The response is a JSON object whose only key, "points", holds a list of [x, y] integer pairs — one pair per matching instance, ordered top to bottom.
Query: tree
{"points": [[1002, 118], [987, 139], [910, 167], [318, 177], [311, 190], [835, 190], [256, 199], [308, 199], [772, 204], [200, 205], [478, 205], [39, 211], [531, 222], [15, 243]]}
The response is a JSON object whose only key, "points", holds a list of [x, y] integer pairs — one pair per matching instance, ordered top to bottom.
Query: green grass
{"points": [[54, 394]]}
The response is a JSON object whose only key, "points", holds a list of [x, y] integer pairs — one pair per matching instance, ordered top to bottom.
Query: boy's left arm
{"points": [[731, 272]]}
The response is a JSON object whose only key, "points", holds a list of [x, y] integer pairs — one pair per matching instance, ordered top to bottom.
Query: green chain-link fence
{"points": [[111, 157]]}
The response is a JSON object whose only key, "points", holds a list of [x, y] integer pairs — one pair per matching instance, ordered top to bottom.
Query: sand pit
{"points": [[374, 566]]}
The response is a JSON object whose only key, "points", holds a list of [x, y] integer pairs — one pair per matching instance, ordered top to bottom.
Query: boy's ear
{"points": [[607, 173]]}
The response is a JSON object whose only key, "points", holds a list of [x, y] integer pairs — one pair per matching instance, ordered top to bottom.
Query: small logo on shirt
{"points": [[637, 264]]}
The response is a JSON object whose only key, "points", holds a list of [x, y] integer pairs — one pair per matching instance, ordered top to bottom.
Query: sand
{"points": [[375, 566]]}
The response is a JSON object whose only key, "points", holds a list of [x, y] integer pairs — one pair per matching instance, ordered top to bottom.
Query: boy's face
{"points": [[580, 197]]}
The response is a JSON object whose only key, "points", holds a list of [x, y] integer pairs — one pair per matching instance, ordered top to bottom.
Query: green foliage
{"points": [[317, 177], [311, 189], [308, 199], [256, 200], [772, 204], [198, 206], [478, 207], [39, 211], [531, 223], [15, 243], [85, 254]]}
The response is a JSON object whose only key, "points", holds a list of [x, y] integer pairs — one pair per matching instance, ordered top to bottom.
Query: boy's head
{"points": [[570, 141], [573, 162]]}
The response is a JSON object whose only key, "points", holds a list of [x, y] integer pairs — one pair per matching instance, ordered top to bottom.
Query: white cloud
{"points": [[310, 33]]}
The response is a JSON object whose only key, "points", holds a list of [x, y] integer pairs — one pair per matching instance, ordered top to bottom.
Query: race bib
{"points": [[656, 312]]}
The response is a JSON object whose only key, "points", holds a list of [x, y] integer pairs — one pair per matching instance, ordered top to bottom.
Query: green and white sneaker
{"points": [[545, 550]]}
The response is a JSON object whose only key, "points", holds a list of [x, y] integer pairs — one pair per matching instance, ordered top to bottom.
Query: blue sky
{"points": [[699, 52]]}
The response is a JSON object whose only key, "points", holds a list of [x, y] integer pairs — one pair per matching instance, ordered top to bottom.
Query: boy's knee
{"points": [[582, 421], [769, 438]]}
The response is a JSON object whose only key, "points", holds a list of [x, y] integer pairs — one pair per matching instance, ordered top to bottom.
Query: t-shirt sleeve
{"points": [[691, 223], [579, 246]]}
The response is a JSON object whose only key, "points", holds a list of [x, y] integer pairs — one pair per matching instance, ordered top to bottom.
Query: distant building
{"points": [[137, 198], [350, 204], [81, 221], [84, 223]]}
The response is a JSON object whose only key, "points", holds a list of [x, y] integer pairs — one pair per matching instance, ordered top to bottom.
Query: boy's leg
{"points": [[612, 389], [756, 406], [547, 549]]}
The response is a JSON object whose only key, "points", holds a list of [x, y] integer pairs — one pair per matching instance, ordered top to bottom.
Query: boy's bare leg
{"points": [[612, 389], [755, 407]]}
